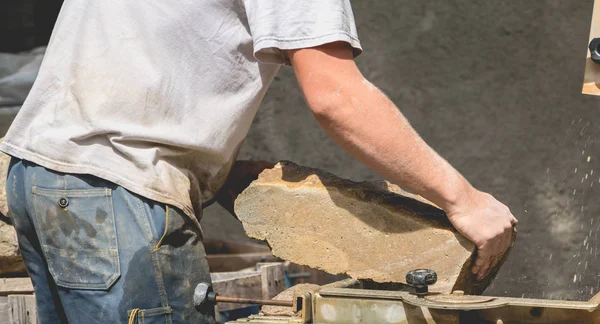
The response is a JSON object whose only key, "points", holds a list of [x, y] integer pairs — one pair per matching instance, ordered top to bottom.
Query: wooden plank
{"points": [[591, 79], [236, 262], [272, 278], [267, 281], [238, 284], [15, 286], [3, 308], [22, 309]]}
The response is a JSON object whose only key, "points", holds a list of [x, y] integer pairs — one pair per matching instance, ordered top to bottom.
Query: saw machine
{"points": [[358, 301]]}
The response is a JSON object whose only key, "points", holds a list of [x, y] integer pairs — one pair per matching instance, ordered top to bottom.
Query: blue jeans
{"points": [[97, 253]]}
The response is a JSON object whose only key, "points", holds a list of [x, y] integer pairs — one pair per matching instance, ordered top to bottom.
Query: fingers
{"points": [[513, 220], [490, 225], [504, 244], [495, 248], [491, 252], [483, 256]]}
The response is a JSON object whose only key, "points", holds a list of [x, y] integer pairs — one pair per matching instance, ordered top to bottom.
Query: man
{"points": [[135, 121]]}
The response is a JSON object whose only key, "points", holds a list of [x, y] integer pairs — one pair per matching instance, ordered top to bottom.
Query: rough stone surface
{"points": [[4, 159], [363, 229], [10, 258]]}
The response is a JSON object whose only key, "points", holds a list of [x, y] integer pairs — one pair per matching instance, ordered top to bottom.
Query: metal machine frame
{"points": [[351, 305]]}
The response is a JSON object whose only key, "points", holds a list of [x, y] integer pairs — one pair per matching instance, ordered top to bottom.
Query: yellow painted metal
{"points": [[591, 79]]}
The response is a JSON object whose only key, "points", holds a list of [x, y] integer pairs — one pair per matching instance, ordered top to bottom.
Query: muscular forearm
{"points": [[363, 121], [369, 126]]}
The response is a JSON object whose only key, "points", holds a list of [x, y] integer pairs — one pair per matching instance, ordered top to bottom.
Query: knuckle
{"points": [[498, 232], [482, 246]]}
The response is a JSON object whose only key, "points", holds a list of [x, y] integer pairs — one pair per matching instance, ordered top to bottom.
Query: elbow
{"points": [[327, 107]]}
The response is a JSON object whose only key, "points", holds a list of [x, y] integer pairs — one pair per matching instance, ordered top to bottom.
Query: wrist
{"points": [[453, 194]]}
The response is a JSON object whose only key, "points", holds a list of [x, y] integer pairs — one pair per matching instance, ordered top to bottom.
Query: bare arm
{"points": [[365, 123]]}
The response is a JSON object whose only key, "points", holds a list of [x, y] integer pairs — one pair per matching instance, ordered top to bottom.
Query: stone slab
{"points": [[4, 160], [367, 230], [10, 258]]}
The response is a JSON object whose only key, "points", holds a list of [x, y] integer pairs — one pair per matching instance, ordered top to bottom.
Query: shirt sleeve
{"points": [[279, 25]]}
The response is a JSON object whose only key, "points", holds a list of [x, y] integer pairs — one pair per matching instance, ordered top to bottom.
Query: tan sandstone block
{"points": [[4, 160], [367, 230], [10, 258]]}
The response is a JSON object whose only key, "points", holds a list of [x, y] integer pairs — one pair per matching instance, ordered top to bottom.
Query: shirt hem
{"points": [[266, 42], [66, 167]]}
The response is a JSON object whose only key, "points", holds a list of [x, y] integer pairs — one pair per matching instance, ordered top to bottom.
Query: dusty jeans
{"points": [[97, 253]]}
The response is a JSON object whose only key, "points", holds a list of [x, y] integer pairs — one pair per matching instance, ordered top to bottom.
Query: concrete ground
{"points": [[494, 87]]}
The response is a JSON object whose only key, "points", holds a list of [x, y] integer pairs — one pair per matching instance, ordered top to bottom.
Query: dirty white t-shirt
{"points": [[157, 95]]}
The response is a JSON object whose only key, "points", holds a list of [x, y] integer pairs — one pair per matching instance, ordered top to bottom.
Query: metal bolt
{"points": [[63, 202]]}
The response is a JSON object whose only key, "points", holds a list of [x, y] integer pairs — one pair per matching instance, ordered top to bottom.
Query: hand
{"points": [[241, 175], [486, 222]]}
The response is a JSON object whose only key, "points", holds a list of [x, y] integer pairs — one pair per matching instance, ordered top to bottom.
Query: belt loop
{"points": [[166, 228]]}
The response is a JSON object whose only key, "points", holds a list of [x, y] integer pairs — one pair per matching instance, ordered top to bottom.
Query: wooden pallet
{"points": [[264, 281], [17, 303]]}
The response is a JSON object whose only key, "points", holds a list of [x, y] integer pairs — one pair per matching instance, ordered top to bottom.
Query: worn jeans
{"points": [[97, 253]]}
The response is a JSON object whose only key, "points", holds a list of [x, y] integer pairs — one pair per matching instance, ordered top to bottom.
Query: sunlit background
{"points": [[493, 86]]}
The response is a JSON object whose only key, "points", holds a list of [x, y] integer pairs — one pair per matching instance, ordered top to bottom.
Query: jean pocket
{"points": [[77, 232]]}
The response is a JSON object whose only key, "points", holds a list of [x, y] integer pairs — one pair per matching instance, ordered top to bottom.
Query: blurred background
{"points": [[493, 86]]}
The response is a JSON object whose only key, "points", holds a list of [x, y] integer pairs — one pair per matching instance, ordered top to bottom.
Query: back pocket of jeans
{"points": [[77, 232]]}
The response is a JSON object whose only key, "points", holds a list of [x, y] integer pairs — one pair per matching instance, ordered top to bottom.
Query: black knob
{"points": [[595, 50], [420, 279]]}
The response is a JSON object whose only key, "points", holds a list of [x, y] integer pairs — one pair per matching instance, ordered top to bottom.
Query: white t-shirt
{"points": [[158, 95]]}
